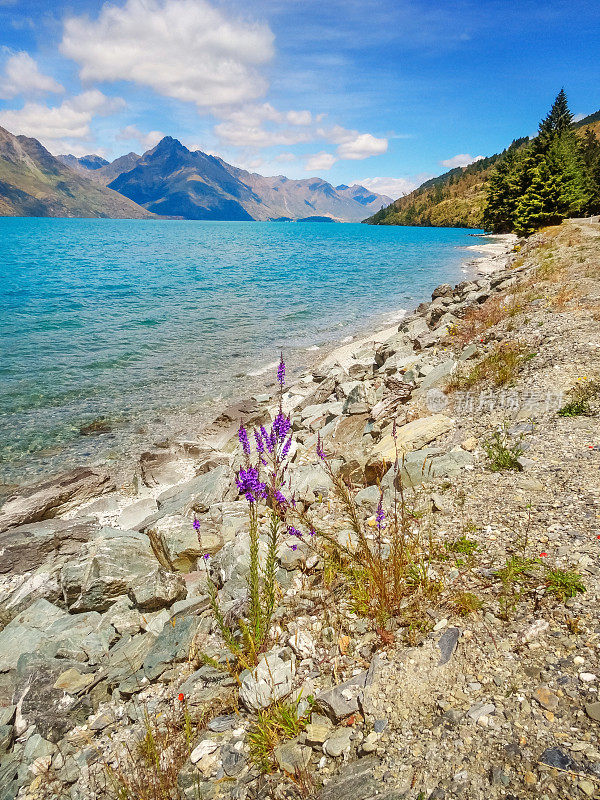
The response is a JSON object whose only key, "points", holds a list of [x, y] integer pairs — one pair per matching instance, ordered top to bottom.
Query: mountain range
{"points": [[173, 181], [33, 183], [457, 198]]}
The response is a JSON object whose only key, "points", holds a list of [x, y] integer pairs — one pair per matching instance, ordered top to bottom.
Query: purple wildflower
{"points": [[281, 372], [281, 426], [243, 437], [267, 439], [260, 445], [286, 447], [320, 451], [249, 484], [280, 498], [380, 516], [196, 524], [294, 531], [312, 532], [293, 547], [206, 556]]}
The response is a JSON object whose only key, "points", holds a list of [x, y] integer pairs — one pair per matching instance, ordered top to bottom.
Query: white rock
{"points": [[302, 644], [205, 748]]}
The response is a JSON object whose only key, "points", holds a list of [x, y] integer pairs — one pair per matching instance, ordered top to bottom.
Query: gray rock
{"points": [[438, 375], [162, 468], [198, 494], [47, 499], [134, 514], [183, 544], [27, 547], [108, 565], [159, 589], [42, 627], [173, 644], [447, 644], [125, 659], [271, 680], [342, 700], [481, 709], [51, 710], [593, 711], [223, 723], [6, 738], [339, 741], [37, 747], [292, 757], [555, 757], [233, 761], [356, 781]]}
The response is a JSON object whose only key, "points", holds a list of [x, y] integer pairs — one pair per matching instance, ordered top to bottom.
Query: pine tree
{"points": [[558, 120], [590, 154], [539, 203], [500, 205]]}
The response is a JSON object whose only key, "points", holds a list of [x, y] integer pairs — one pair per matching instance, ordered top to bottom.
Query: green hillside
{"points": [[33, 183], [457, 198]]}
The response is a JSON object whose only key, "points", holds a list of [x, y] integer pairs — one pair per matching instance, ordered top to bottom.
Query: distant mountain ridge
{"points": [[174, 181], [33, 183], [455, 199]]}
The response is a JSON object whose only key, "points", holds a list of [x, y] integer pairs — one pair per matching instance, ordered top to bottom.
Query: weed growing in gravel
{"points": [[499, 367], [581, 395], [503, 451], [389, 559], [514, 575], [563, 584], [465, 603], [275, 725], [149, 770]]}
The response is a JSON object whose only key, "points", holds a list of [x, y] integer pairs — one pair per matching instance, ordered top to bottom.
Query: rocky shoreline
{"points": [[105, 611]]}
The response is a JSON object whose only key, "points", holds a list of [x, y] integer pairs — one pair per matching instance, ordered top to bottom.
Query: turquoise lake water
{"points": [[146, 324]]}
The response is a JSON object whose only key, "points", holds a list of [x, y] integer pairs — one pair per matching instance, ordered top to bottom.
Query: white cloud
{"points": [[185, 49], [22, 76], [299, 117], [579, 117], [262, 125], [56, 126], [146, 140], [353, 145], [362, 146], [285, 157], [460, 160], [320, 161], [395, 187]]}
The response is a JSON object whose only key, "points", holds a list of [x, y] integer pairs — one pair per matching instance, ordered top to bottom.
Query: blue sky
{"points": [[384, 93]]}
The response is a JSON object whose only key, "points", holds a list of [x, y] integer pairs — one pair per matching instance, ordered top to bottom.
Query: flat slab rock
{"points": [[48, 499], [27, 547], [345, 699]]}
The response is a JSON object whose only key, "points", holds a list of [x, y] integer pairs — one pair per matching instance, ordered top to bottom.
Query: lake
{"points": [[148, 325]]}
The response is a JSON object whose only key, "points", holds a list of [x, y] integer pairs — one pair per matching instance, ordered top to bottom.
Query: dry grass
{"points": [[499, 367]]}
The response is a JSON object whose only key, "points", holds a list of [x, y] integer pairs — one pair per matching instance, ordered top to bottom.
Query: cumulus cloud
{"points": [[185, 49], [22, 76], [262, 125], [56, 126], [146, 140], [353, 145], [362, 146], [285, 157], [460, 160], [319, 161], [395, 187]]}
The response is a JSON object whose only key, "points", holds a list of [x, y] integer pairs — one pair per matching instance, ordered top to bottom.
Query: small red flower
{"points": [[598, 537], [543, 555], [181, 697]]}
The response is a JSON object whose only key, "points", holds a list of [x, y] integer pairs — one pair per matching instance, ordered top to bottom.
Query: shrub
{"points": [[500, 366], [581, 395], [502, 451], [563, 584], [276, 724]]}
